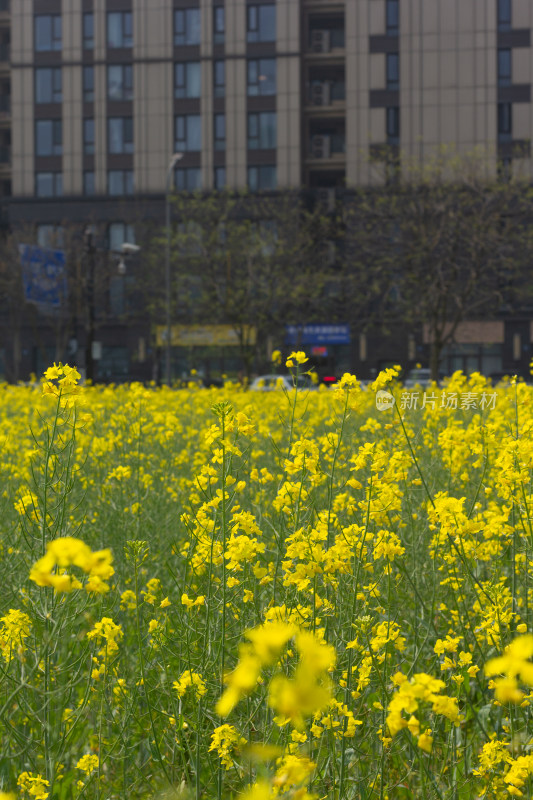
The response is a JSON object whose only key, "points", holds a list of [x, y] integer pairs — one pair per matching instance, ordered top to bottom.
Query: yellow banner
{"points": [[204, 335]]}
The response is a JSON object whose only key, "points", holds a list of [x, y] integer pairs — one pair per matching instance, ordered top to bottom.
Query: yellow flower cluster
{"points": [[51, 569], [14, 629], [513, 664], [188, 679], [410, 693], [35, 786]]}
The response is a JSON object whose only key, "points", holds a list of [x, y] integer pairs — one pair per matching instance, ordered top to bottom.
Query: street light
{"points": [[173, 161]]}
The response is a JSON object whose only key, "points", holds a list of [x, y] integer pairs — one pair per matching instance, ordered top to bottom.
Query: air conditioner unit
{"points": [[320, 42], [321, 94], [320, 146], [326, 197]]}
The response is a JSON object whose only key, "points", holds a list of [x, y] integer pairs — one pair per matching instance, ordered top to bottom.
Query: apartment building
{"points": [[96, 97]]}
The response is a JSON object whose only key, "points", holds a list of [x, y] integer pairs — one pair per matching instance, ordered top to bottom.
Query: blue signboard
{"points": [[44, 276], [316, 334]]}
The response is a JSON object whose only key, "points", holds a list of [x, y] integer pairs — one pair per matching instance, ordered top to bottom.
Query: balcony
{"points": [[326, 37], [326, 94], [327, 147]]}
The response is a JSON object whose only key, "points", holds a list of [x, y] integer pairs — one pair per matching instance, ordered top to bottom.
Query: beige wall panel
{"points": [[521, 14], [466, 16], [376, 17], [430, 17], [448, 17], [236, 26], [287, 26], [100, 29], [153, 29], [207, 29], [71, 30], [22, 31], [430, 42], [521, 65], [485, 66], [465, 68], [448, 69], [377, 70], [430, 70], [356, 71], [206, 108], [521, 121], [288, 123], [431, 124], [466, 124], [376, 125], [448, 125], [153, 126], [100, 128], [23, 131], [72, 131], [236, 145]]}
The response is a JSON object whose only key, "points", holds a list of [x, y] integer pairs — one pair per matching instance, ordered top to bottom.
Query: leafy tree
{"points": [[445, 244], [254, 262]]}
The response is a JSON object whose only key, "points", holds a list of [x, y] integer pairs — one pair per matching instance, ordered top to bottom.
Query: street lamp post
{"points": [[173, 161]]}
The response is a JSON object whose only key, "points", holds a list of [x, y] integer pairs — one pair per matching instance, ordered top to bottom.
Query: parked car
{"points": [[418, 377], [269, 383]]}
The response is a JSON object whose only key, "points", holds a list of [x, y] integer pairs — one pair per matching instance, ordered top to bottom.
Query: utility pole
{"points": [[90, 250]]}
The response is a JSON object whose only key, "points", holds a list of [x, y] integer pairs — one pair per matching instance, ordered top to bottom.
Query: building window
{"points": [[504, 15], [392, 17], [261, 21], [219, 25], [187, 26], [119, 29], [88, 31], [48, 32], [504, 67], [393, 71], [262, 76], [220, 78], [187, 79], [120, 82], [88, 84], [48, 88], [505, 122], [393, 125], [262, 130], [220, 131], [120, 132], [188, 133], [88, 136], [48, 137], [505, 169], [220, 177], [262, 178], [188, 179], [120, 181], [88, 182], [49, 184], [118, 233], [52, 236]]}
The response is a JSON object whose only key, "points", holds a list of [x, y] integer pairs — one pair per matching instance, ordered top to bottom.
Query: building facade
{"points": [[96, 97]]}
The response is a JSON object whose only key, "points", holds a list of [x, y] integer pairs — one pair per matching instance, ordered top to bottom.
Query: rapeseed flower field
{"points": [[231, 594]]}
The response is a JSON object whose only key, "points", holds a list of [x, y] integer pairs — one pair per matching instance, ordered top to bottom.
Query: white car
{"points": [[418, 377], [269, 383]]}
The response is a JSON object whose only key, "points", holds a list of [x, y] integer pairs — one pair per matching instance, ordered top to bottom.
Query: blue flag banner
{"points": [[44, 276], [300, 335]]}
